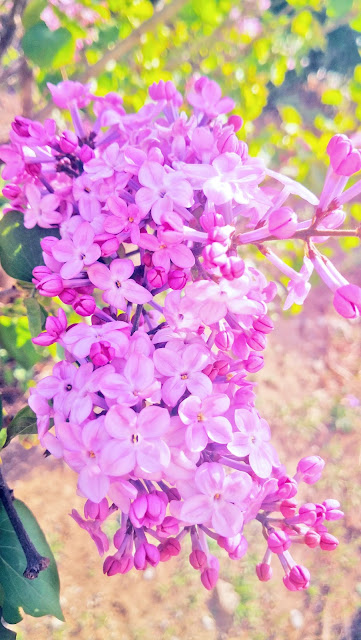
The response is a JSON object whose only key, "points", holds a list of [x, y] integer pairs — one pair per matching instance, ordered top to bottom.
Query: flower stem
{"points": [[35, 562]]}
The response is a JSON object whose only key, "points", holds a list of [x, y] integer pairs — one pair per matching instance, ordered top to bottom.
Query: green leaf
{"points": [[338, 8], [32, 13], [43, 46], [20, 249], [34, 314], [15, 338], [23, 423], [3, 434], [37, 597]]}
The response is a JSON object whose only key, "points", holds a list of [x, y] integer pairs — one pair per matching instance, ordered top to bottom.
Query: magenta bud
{"points": [[236, 122], [20, 126], [68, 142], [228, 142], [85, 153], [345, 160], [33, 170], [11, 191], [210, 220], [282, 223], [47, 244], [109, 246], [39, 273], [157, 277], [177, 279], [51, 285], [68, 296], [347, 301], [84, 306], [264, 324], [224, 340], [256, 341], [101, 353], [254, 363], [222, 367], [310, 469], [287, 488], [156, 508], [288, 508], [332, 509], [137, 510], [307, 514], [169, 526], [312, 539], [278, 541], [328, 542], [170, 548], [239, 550], [146, 554], [198, 559], [112, 566], [263, 571], [299, 577], [209, 578]]}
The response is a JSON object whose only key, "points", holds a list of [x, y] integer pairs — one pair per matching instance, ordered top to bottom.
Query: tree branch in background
{"points": [[123, 47]]}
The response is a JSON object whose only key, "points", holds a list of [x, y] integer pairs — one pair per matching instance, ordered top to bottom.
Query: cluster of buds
{"points": [[152, 405]]}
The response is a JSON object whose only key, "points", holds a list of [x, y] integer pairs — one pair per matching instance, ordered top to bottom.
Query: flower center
{"points": [[86, 189], [131, 219], [118, 284], [184, 376], [68, 387], [200, 417], [135, 438], [91, 454], [217, 496]]}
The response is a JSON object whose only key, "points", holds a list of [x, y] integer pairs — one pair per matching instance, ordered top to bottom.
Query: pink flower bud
{"points": [[236, 122], [20, 126], [68, 142], [228, 142], [85, 153], [345, 160], [33, 170], [11, 191], [210, 220], [282, 223], [109, 246], [215, 254], [233, 268], [39, 273], [157, 277], [177, 279], [51, 285], [68, 296], [347, 301], [84, 306], [264, 324], [224, 340], [256, 341], [101, 353], [254, 363], [222, 367], [310, 469], [287, 488], [156, 508], [288, 508], [137, 510], [332, 510], [96, 511], [307, 514], [168, 527], [119, 537], [312, 539], [278, 541], [328, 542], [170, 548], [239, 550], [145, 554], [198, 559], [126, 563], [112, 566], [263, 571], [299, 577], [209, 578]]}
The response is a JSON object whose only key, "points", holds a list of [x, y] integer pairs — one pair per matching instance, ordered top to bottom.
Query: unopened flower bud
{"points": [[236, 122], [68, 142], [85, 153], [344, 159], [11, 191], [282, 223], [157, 277], [177, 279], [51, 285], [347, 301], [84, 306], [264, 324], [224, 340], [256, 341], [101, 353], [254, 363], [310, 469], [288, 508], [332, 508], [96, 511], [312, 539], [278, 541], [328, 542], [198, 559], [263, 571], [299, 576], [209, 578]]}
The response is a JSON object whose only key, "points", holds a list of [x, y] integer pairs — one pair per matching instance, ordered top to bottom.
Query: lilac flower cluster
{"points": [[152, 406]]}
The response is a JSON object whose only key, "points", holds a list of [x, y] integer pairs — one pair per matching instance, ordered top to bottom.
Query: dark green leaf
{"points": [[32, 13], [42, 46], [20, 249], [34, 314], [23, 423], [3, 435], [37, 597]]}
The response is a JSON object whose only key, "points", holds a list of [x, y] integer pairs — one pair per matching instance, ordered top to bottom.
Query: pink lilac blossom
{"points": [[152, 405]]}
